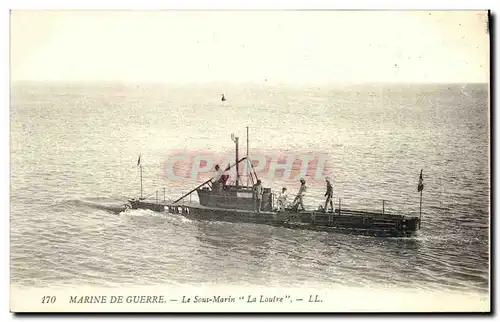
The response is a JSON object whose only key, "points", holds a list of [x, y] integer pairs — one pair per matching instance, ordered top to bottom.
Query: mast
{"points": [[236, 141], [236, 161], [139, 164], [140, 167], [247, 167], [420, 188], [420, 205]]}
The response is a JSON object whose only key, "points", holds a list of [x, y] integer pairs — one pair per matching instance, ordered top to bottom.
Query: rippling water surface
{"points": [[73, 161]]}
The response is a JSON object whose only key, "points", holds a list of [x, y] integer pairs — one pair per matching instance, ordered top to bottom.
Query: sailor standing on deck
{"points": [[257, 195], [328, 195], [282, 200], [298, 201]]}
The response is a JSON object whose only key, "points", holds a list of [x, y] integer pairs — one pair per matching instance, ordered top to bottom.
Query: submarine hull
{"points": [[343, 221]]}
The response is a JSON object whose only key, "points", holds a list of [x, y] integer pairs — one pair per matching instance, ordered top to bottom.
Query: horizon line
{"points": [[257, 83]]}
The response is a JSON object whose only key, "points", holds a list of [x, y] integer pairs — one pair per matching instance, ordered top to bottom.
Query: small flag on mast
{"points": [[139, 160], [420, 182]]}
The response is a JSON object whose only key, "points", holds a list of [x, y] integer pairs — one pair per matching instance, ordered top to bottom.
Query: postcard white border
{"points": [[151, 4]]}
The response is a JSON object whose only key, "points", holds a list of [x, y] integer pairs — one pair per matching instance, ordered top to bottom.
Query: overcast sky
{"points": [[280, 46]]}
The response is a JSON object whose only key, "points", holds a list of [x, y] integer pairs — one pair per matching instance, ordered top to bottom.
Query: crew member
{"points": [[221, 176], [257, 195], [328, 195], [282, 199], [298, 201]]}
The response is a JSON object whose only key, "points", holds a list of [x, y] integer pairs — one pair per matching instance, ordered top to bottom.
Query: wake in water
{"points": [[110, 205], [115, 206], [145, 213]]}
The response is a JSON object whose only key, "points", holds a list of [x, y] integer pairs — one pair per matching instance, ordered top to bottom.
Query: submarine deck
{"points": [[343, 219]]}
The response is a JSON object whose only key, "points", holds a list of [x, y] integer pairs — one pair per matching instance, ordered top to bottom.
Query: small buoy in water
{"points": [[223, 98]]}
